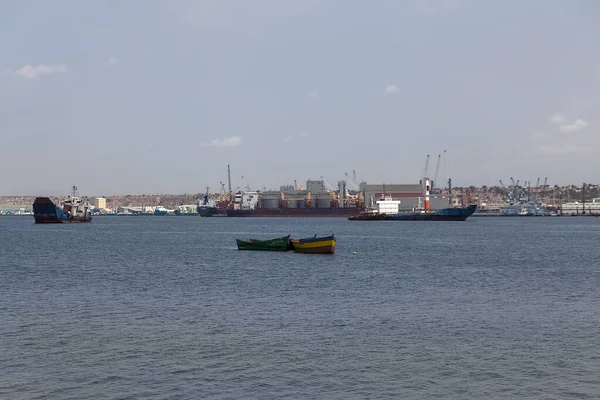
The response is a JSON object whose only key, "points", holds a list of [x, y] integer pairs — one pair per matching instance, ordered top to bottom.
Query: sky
{"points": [[148, 96]]}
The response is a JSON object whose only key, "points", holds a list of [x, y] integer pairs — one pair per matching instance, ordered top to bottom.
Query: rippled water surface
{"points": [[167, 308]]}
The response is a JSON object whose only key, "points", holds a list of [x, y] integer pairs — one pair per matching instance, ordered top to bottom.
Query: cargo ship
{"points": [[315, 200], [298, 204], [208, 207], [71, 210], [388, 210], [445, 214]]}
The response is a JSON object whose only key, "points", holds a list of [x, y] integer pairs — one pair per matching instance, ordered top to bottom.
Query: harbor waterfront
{"points": [[321, 199], [167, 307]]}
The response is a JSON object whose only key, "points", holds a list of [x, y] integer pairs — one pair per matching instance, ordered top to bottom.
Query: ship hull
{"points": [[208, 211], [46, 212], [296, 212], [240, 213], [446, 214], [56, 220], [279, 244], [322, 245]]}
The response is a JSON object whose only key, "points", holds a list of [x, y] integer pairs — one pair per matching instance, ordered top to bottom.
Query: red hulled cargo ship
{"points": [[317, 199], [253, 204]]}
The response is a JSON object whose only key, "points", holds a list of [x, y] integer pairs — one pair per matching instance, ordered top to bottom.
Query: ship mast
{"points": [[449, 180]]}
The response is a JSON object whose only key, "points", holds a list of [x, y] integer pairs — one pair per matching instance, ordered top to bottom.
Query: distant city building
{"points": [[100, 203], [578, 208]]}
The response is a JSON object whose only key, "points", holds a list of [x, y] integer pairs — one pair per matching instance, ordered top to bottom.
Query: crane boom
{"points": [[426, 169], [437, 171], [329, 185], [354, 185], [246, 187], [223, 196]]}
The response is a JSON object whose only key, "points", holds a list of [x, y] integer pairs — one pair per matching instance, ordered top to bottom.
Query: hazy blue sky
{"points": [[159, 96]]}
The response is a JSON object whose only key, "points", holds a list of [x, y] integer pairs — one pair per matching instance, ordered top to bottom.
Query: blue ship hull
{"points": [[206, 211], [46, 212], [445, 214]]}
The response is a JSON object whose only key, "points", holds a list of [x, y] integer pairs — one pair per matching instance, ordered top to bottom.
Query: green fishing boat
{"points": [[278, 244]]}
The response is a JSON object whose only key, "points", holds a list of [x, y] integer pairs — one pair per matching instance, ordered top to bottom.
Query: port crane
{"points": [[425, 170], [437, 172], [348, 178], [353, 180], [329, 185], [246, 187], [517, 193], [223, 195]]}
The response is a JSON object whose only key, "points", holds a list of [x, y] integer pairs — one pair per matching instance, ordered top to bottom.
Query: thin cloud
{"points": [[112, 61], [32, 72], [391, 89], [313, 94], [557, 118], [576, 126], [232, 141]]}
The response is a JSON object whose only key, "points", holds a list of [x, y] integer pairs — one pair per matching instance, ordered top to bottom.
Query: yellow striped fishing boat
{"points": [[316, 245]]}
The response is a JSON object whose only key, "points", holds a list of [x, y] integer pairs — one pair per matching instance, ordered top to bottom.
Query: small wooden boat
{"points": [[277, 244], [315, 245]]}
